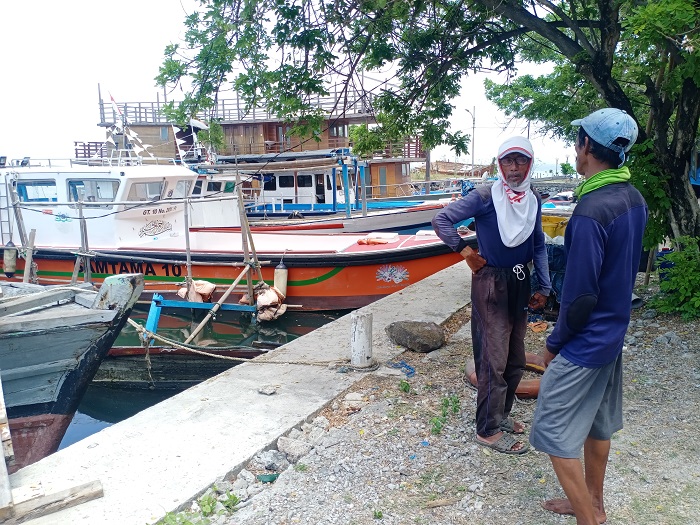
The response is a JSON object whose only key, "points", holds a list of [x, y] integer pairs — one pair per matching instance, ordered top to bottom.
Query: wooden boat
{"points": [[133, 218], [52, 341]]}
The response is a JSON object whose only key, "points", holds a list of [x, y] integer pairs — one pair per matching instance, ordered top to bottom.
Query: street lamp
{"points": [[473, 114]]}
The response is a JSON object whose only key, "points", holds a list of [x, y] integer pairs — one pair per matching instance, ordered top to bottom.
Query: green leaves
{"points": [[680, 279]]}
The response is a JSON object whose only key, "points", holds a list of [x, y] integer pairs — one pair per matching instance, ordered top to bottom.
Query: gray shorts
{"points": [[575, 403]]}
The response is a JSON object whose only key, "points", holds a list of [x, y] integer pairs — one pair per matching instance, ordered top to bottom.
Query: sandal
{"points": [[508, 425], [505, 444]]}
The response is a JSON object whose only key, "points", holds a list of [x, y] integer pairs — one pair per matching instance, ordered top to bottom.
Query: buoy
{"points": [[9, 259], [281, 273]]}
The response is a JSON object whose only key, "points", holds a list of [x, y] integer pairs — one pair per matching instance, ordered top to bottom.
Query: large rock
{"points": [[418, 336]]}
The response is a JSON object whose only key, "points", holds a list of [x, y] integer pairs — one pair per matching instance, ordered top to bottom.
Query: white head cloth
{"points": [[516, 218]]}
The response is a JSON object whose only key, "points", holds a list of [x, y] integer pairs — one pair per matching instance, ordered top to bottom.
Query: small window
{"points": [[164, 133], [286, 181], [304, 181], [270, 183], [214, 186], [230, 187], [197, 188], [92, 190], [37, 191], [145, 191]]}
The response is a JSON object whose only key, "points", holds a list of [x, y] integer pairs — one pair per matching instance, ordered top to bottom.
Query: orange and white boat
{"points": [[144, 218]]}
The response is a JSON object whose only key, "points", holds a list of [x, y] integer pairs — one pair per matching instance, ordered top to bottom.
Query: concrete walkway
{"points": [[167, 455]]}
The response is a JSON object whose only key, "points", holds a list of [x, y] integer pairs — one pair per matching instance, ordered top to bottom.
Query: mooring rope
{"points": [[341, 364]]}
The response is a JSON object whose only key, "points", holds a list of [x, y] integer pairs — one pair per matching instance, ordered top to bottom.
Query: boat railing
{"points": [[116, 160], [376, 191], [277, 204]]}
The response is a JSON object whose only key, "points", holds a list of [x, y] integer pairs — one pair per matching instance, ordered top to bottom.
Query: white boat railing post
{"points": [[363, 185], [346, 191], [188, 253]]}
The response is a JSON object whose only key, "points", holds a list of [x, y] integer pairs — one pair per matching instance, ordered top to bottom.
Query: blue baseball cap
{"points": [[607, 125]]}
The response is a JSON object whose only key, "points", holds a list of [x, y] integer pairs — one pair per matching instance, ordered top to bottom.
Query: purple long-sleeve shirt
{"points": [[478, 204], [603, 240]]}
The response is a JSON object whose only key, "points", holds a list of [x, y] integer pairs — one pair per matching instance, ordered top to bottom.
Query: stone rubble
{"points": [[400, 450]]}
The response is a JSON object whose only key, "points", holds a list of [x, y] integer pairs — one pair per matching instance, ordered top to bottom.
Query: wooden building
{"points": [[254, 132]]}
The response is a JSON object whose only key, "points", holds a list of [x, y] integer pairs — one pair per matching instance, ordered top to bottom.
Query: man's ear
{"points": [[586, 146]]}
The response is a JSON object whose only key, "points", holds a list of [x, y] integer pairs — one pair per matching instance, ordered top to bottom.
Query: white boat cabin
{"points": [[138, 202]]}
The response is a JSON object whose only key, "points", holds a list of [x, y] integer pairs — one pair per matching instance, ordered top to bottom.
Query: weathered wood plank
{"points": [[25, 302], [48, 321], [8, 452], [5, 490], [31, 502]]}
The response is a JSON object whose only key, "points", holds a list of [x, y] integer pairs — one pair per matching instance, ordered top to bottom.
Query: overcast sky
{"points": [[55, 53]]}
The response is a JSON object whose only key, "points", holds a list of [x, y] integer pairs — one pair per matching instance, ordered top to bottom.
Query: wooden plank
{"points": [[34, 300], [48, 321], [8, 452], [5, 490], [31, 502]]}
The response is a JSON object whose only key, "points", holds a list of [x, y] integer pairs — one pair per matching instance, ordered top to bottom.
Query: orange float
{"points": [[527, 388]]}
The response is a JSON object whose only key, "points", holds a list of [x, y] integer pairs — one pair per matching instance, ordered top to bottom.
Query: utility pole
{"points": [[473, 114]]}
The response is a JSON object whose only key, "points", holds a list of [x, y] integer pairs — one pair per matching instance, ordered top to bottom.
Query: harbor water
{"points": [[106, 403]]}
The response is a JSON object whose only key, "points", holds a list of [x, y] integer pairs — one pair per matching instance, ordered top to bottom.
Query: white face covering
{"points": [[516, 206]]}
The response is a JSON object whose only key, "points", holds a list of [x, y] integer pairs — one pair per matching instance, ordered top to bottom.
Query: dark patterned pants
{"points": [[499, 320]]}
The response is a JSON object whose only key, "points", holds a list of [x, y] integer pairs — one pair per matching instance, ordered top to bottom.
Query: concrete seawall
{"points": [[168, 454]]}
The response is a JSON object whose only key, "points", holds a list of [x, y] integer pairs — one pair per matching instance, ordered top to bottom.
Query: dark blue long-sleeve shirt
{"points": [[478, 204], [603, 240]]}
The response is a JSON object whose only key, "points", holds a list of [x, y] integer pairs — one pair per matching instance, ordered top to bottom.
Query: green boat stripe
{"points": [[304, 282]]}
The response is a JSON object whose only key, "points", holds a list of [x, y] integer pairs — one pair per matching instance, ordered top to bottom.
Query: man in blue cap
{"points": [[580, 399]]}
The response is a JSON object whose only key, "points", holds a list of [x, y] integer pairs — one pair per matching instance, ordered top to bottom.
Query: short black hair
{"points": [[603, 154]]}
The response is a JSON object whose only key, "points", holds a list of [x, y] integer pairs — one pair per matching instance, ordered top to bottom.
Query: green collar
{"points": [[603, 178]]}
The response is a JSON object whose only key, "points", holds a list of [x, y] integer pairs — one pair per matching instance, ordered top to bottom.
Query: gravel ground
{"points": [[401, 450]]}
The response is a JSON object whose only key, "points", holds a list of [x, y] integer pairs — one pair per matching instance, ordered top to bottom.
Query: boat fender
{"points": [[9, 259], [281, 274], [527, 388]]}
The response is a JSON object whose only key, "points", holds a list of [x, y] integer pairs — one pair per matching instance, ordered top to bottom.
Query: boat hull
{"points": [[327, 281], [45, 372]]}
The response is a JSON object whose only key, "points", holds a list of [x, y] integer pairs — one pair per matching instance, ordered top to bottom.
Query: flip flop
{"points": [[508, 425], [505, 444]]}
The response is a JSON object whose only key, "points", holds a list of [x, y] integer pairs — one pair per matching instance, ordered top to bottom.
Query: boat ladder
{"points": [[5, 210]]}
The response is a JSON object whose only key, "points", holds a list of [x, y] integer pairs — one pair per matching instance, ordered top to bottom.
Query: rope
{"points": [[147, 336], [341, 365]]}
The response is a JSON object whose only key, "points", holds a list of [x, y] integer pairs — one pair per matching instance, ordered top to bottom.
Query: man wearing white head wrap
{"points": [[516, 207], [509, 232]]}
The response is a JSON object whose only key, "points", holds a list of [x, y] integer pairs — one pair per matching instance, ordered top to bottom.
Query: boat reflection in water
{"points": [[130, 380]]}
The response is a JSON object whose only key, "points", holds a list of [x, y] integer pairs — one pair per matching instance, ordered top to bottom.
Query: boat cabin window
{"points": [[286, 181], [304, 181], [338, 182], [270, 184], [37, 191], [89, 191], [145, 191], [180, 191]]}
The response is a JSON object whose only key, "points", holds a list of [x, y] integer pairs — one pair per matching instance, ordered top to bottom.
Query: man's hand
{"points": [[475, 261], [537, 301], [547, 356]]}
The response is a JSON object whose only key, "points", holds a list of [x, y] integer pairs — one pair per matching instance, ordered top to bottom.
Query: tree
{"points": [[636, 55], [567, 169]]}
